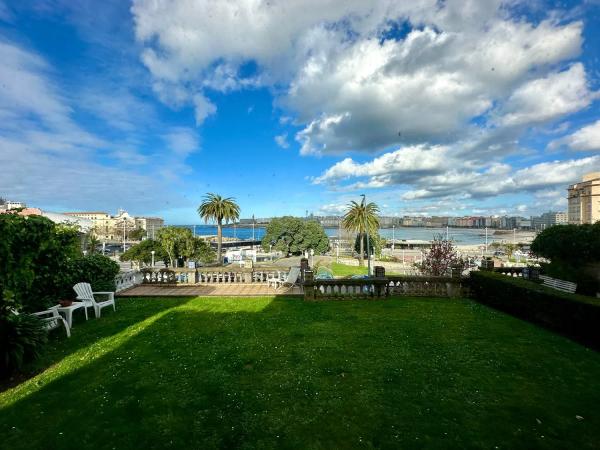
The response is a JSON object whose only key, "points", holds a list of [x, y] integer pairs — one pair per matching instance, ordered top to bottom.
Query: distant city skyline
{"points": [[429, 108]]}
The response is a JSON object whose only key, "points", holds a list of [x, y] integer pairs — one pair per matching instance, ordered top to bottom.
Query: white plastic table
{"points": [[68, 311]]}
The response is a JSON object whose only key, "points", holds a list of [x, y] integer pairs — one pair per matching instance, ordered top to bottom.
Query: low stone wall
{"points": [[381, 287]]}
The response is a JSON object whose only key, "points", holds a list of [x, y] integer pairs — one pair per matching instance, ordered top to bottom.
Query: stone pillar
{"points": [[487, 264], [303, 267], [456, 271], [191, 276], [309, 291]]}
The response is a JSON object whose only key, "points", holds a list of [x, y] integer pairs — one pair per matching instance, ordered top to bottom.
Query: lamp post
{"points": [[364, 204], [393, 237], [486, 240], [152, 252], [312, 257]]}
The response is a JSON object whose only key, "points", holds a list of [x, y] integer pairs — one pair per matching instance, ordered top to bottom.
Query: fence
{"points": [[210, 275], [128, 279], [382, 287]]}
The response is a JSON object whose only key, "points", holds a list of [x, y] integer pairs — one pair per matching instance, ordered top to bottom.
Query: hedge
{"points": [[574, 315]]}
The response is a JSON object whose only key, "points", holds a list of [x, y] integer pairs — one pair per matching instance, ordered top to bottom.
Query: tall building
{"points": [[584, 200]]}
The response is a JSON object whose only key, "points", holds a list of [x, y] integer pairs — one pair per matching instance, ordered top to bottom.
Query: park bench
{"points": [[561, 285]]}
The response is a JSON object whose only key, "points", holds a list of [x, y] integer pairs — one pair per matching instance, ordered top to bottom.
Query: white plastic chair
{"points": [[291, 279], [85, 294], [55, 320]]}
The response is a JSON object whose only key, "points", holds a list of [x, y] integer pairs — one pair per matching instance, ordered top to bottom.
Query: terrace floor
{"points": [[208, 290]]}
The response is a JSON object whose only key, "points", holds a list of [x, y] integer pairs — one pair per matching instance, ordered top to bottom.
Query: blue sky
{"points": [[428, 107]]}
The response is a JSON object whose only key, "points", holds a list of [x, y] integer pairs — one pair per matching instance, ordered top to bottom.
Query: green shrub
{"points": [[571, 249], [35, 260], [98, 270], [574, 315], [22, 337]]}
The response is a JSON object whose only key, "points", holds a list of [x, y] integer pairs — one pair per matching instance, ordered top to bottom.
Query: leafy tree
{"points": [[214, 207], [361, 218], [138, 234], [292, 235], [177, 242], [376, 244], [576, 244], [573, 250], [202, 251], [142, 252], [440, 258]]}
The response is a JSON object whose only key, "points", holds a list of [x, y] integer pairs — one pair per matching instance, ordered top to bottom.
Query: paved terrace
{"points": [[208, 290]]}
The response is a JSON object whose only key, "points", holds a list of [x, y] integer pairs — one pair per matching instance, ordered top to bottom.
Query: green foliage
{"points": [[214, 207], [361, 218], [137, 235], [292, 235], [177, 242], [92, 243], [376, 244], [577, 244], [570, 249], [202, 251], [142, 252], [35, 259], [98, 270], [572, 314], [22, 337]]}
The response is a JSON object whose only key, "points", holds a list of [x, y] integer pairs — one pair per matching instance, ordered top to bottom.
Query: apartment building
{"points": [[584, 200], [549, 219], [108, 228]]}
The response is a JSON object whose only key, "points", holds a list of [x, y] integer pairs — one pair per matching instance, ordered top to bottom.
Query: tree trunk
{"points": [[219, 241], [361, 257]]}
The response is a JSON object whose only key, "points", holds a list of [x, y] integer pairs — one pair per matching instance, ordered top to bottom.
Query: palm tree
{"points": [[214, 207], [361, 219]]}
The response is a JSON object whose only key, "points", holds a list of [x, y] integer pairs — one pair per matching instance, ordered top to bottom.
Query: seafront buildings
{"points": [[584, 200], [549, 219], [111, 229]]}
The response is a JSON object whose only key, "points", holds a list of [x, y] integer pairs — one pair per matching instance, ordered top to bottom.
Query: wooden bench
{"points": [[561, 285]]}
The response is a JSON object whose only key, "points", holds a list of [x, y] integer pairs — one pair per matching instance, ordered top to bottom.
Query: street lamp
{"points": [[364, 204], [393, 237], [152, 252], [312, 258]]}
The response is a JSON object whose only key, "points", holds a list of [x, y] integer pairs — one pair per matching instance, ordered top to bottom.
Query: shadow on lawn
{"points": [[87, 332], [278, 372]]}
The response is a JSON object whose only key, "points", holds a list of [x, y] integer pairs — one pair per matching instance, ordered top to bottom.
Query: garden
{"points": [[277, 372]]}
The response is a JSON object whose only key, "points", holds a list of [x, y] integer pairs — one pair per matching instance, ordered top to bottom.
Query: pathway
{"points": [[212, 290]]}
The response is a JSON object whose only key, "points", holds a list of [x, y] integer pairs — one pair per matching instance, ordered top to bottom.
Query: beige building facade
{"points": [[584, 200], [113, 229]]}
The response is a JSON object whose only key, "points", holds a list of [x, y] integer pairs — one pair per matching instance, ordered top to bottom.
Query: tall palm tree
{"points": [[214, 207], [361, 219]]}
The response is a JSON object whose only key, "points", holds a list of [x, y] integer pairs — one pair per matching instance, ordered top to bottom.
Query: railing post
{"points": [[303, 267], [379, 272], [309, 290]]}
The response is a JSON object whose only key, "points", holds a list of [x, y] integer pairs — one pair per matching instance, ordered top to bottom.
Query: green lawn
{"points": [[344, 270], [282, 373]]}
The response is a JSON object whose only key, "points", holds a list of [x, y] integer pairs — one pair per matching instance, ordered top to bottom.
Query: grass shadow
{"points": [[85, 333], [281, 373]]}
